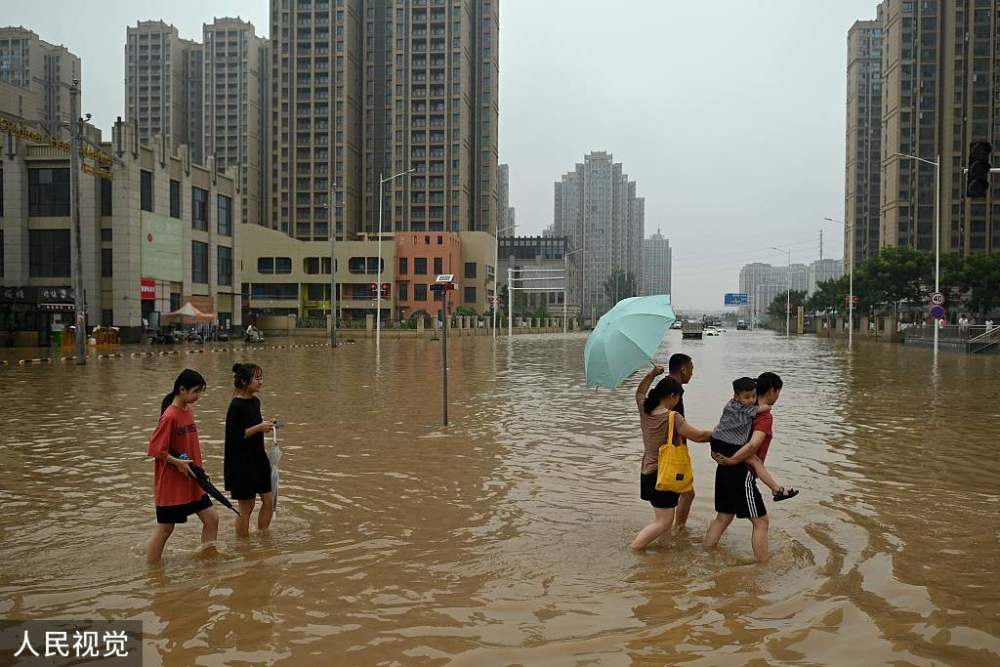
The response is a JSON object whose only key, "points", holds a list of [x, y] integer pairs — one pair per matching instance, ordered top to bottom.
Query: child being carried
{"points": [[733, 431]]}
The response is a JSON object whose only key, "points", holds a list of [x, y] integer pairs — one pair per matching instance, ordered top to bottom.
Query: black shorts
{"points": [[250, 480], [736, 492], [663, 500], [180, 513]]}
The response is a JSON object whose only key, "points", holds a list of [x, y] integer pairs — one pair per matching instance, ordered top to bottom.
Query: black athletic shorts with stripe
{"points": [[736, 487]]}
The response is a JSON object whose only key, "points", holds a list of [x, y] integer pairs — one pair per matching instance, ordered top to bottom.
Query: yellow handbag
{"points": [[673, 465]]}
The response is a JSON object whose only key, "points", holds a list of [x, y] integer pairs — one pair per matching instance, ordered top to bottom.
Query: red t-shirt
{"points": [[763, 422], [175, 434]]}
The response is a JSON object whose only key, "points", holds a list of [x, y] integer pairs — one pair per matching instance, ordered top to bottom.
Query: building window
{"points": [[146, 190], [48, 192], [106, 196], [175, 199], [199, 209], [224, 215], [106, 235], [48, 253], [199, 262], [282, 264], [265, 265], [311, 265], [364, 265], [224, 266], [403, 266], [420, 266], [438, 266], [106, 268], [470, 269], [289, 291], [403, 292], [419, 292], [470, 295], [175, 301]]}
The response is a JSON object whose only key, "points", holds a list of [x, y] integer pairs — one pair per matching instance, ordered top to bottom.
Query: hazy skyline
{"points": [[729, 116]]}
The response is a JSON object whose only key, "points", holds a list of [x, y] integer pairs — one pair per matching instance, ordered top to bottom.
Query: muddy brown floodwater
{"points": [[503, 539]]}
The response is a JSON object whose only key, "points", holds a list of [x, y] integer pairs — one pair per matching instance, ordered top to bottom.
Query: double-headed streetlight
{"points": [[937, 227], [849, 228], [378, 287], [788, 290]]}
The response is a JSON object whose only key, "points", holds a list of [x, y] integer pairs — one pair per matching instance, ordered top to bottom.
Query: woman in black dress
{"points": [[246, 469]]}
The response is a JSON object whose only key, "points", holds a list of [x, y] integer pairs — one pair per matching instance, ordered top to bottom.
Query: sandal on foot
{"points": [[785, 494]]}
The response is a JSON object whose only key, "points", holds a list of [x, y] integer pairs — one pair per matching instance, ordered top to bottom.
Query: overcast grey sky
{"points": [[728, 115]]}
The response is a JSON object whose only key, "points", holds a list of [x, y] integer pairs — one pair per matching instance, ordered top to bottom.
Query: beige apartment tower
{"points": [[40, 75], [367, 90], [939, 94], [159, 98], [232, 115], [864, 130]]}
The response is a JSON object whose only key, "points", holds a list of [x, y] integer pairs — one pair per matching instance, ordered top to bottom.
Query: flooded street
{"points": [[503, 539]]}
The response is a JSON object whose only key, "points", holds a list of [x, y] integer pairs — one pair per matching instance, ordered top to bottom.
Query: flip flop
{"points": [[785, 494]]}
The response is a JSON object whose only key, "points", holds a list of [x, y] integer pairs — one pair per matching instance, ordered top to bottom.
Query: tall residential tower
{"points": [[43, 71]]}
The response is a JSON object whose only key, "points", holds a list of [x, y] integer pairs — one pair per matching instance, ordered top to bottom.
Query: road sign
{"points": [[442, 287], [737, 299], [937, 299], [847, 300], [937, 312]]}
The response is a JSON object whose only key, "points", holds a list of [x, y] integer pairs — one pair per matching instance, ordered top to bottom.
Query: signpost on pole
{"points": [[444, 284], [737, 299]]}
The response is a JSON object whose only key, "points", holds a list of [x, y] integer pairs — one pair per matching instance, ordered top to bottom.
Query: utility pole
{"points": [[74, 201], [821, 244], [333, 261], [444, 352]]}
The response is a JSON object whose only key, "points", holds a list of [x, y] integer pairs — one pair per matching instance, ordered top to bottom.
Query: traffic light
{"points": [[979, 169], [373, 290]]}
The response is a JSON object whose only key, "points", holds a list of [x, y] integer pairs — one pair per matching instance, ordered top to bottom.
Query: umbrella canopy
{"points": [[190, 313], [626, 338], [274, 455], [201, 477]]}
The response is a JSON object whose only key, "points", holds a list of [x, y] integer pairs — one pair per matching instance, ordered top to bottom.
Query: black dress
{"points": [[246, 469]]}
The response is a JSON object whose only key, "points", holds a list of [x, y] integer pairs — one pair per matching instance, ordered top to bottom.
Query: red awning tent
{"points": [[187, 314]]}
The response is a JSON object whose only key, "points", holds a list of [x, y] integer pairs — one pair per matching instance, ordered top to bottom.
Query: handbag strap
{"points": [[670, 427]]}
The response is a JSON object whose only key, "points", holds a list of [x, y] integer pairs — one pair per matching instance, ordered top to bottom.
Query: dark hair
{"points": [[677, 362], [243, 374], [188, 379], [768, 381], [743, 384], [665, 387]]}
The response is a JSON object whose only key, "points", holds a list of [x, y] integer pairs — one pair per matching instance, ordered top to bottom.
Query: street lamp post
{"points": [[937, 227], [850, 229], [496, 274], [566, 282], [378, 287], [788, 290], [758, 311]]}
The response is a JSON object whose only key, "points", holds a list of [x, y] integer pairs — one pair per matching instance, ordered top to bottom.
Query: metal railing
{"points": [[984, 341]]}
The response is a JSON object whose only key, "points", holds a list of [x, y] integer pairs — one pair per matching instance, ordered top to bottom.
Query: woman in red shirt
{"points": [[174, 447]]}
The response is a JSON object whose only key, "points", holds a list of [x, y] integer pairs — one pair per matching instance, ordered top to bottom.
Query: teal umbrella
{"points": [[626, 338]]}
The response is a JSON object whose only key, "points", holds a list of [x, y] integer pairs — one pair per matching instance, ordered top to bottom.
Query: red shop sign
{"points": [[147, 289]]}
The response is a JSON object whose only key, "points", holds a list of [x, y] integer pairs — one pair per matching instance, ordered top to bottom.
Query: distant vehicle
{"points": [[677, 325], [741, 325], [691, 329]]}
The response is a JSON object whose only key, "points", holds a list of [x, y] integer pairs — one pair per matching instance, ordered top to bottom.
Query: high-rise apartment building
{"points": [[44, 71], [376, 88], [158, 91], [939, 94], [233, 116], [864, 129], [596, 208], [505, 212], [656, 265], [823, 270], [762, 283]]}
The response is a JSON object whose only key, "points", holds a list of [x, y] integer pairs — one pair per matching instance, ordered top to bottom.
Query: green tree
{"points": [[981, 275], [620, 285], [829, 295], [777, 308]]}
